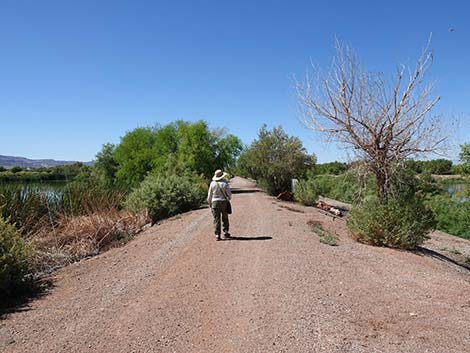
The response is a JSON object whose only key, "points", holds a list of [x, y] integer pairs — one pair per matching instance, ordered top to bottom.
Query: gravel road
{"points": [[274, 288]]}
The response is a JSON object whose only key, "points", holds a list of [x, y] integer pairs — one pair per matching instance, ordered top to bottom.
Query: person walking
{"points": [[218, 198]]}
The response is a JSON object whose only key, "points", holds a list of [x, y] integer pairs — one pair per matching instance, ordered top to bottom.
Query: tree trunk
{"points": [[383, 185]]}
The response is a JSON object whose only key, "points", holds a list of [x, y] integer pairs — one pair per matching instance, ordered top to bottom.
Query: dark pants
{"points": [[220, 208]]}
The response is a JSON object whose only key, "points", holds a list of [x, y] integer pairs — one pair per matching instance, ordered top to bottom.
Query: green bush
{"points": [[334, 168], [346, 188], [306, 192], [165, 195], [452, 214], [394, 223], [14, 259]]}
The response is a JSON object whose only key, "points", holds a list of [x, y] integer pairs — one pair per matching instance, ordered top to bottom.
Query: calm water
{"points": [[50, 187], [454, 189]]}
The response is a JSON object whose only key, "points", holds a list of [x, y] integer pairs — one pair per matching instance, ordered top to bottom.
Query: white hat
{"points": [[219, 175]]}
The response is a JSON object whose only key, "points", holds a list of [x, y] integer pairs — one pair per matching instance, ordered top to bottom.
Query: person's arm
{"points": [[228, 191], [209, 195]]}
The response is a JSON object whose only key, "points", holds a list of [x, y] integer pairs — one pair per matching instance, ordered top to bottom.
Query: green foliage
{"points": [[183, 144], [464, 154], [135, 155], [465, 158], [274, 159], [105, 166], [434, 166], [334, 168], [16, 169], [58, 173], [348, 187], [307, 192], [165, 195], [452, 214], [393, 223], [324, 236], [329, 240], [14, 259]]}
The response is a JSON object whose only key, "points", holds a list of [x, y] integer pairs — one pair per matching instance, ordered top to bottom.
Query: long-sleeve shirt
{"points": [[215, 191]]}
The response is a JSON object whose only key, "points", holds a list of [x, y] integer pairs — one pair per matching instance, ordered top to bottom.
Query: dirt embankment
{"points": [[274, 288]]}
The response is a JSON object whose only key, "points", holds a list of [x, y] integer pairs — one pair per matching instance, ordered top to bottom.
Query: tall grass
{"points": [[33, 208], [65, 225]]}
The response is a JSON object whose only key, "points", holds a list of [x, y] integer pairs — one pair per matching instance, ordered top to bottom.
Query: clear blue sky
{"points": [[77, 74]]}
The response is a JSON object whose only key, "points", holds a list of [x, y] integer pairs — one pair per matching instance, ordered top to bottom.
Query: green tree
{"points": [[177, 146], [196, 147], [135, 156], [465, 157], [274, 159], [105, 166], [438, 166], [335, 168], [16, 169]]}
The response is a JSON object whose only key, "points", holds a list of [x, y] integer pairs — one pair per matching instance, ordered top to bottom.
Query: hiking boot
{"points": [[227, 235], [217, 237]]}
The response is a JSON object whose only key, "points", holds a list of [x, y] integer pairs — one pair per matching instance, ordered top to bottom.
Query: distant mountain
{"points": [[10, 162]]}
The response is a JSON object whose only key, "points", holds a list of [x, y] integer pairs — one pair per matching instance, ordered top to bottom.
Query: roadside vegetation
{"points": [[274, 159], [153, 173], [447, 199]]}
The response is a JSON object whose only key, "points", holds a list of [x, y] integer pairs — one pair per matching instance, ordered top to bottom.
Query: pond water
{"points": [[49, 187], [454, 189]]}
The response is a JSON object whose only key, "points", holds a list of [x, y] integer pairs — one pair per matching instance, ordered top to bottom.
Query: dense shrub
{"points": [[347, 187], [306, 192], [165, 195], [452, 213], [393, 223], [14, 259]]}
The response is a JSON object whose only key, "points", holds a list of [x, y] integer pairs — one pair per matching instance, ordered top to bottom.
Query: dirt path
{"points": [[275, 289]]}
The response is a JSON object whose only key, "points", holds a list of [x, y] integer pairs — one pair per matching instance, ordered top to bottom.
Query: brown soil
{"points": [[274, 288]]}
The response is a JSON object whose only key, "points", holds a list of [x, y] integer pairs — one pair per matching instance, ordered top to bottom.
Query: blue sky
{"points": [[77, 74]]}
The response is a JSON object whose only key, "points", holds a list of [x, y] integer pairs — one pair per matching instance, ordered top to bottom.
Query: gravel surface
{"points": [[274, 288]]}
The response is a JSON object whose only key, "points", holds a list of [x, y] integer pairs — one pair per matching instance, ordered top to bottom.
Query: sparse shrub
{"points": [[165, 195], [393, 223], [324, 236], [329, 240], [15, 255]]}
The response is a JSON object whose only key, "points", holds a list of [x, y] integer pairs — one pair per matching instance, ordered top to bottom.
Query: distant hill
{"points": [[10, 162]]}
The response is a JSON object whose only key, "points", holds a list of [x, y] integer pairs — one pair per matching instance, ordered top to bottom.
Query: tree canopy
{"points": [[181, 145], [274, 159]]}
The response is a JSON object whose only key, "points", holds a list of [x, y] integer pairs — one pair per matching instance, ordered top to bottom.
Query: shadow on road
{"points": [[243, 191], [249, 238], [435, 255], [18, 302]]}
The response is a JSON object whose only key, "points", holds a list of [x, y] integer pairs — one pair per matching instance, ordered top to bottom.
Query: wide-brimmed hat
{"points": [[219, 175]]}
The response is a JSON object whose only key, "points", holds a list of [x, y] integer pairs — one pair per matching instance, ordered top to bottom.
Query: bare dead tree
{"points": [[385, 122]]}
